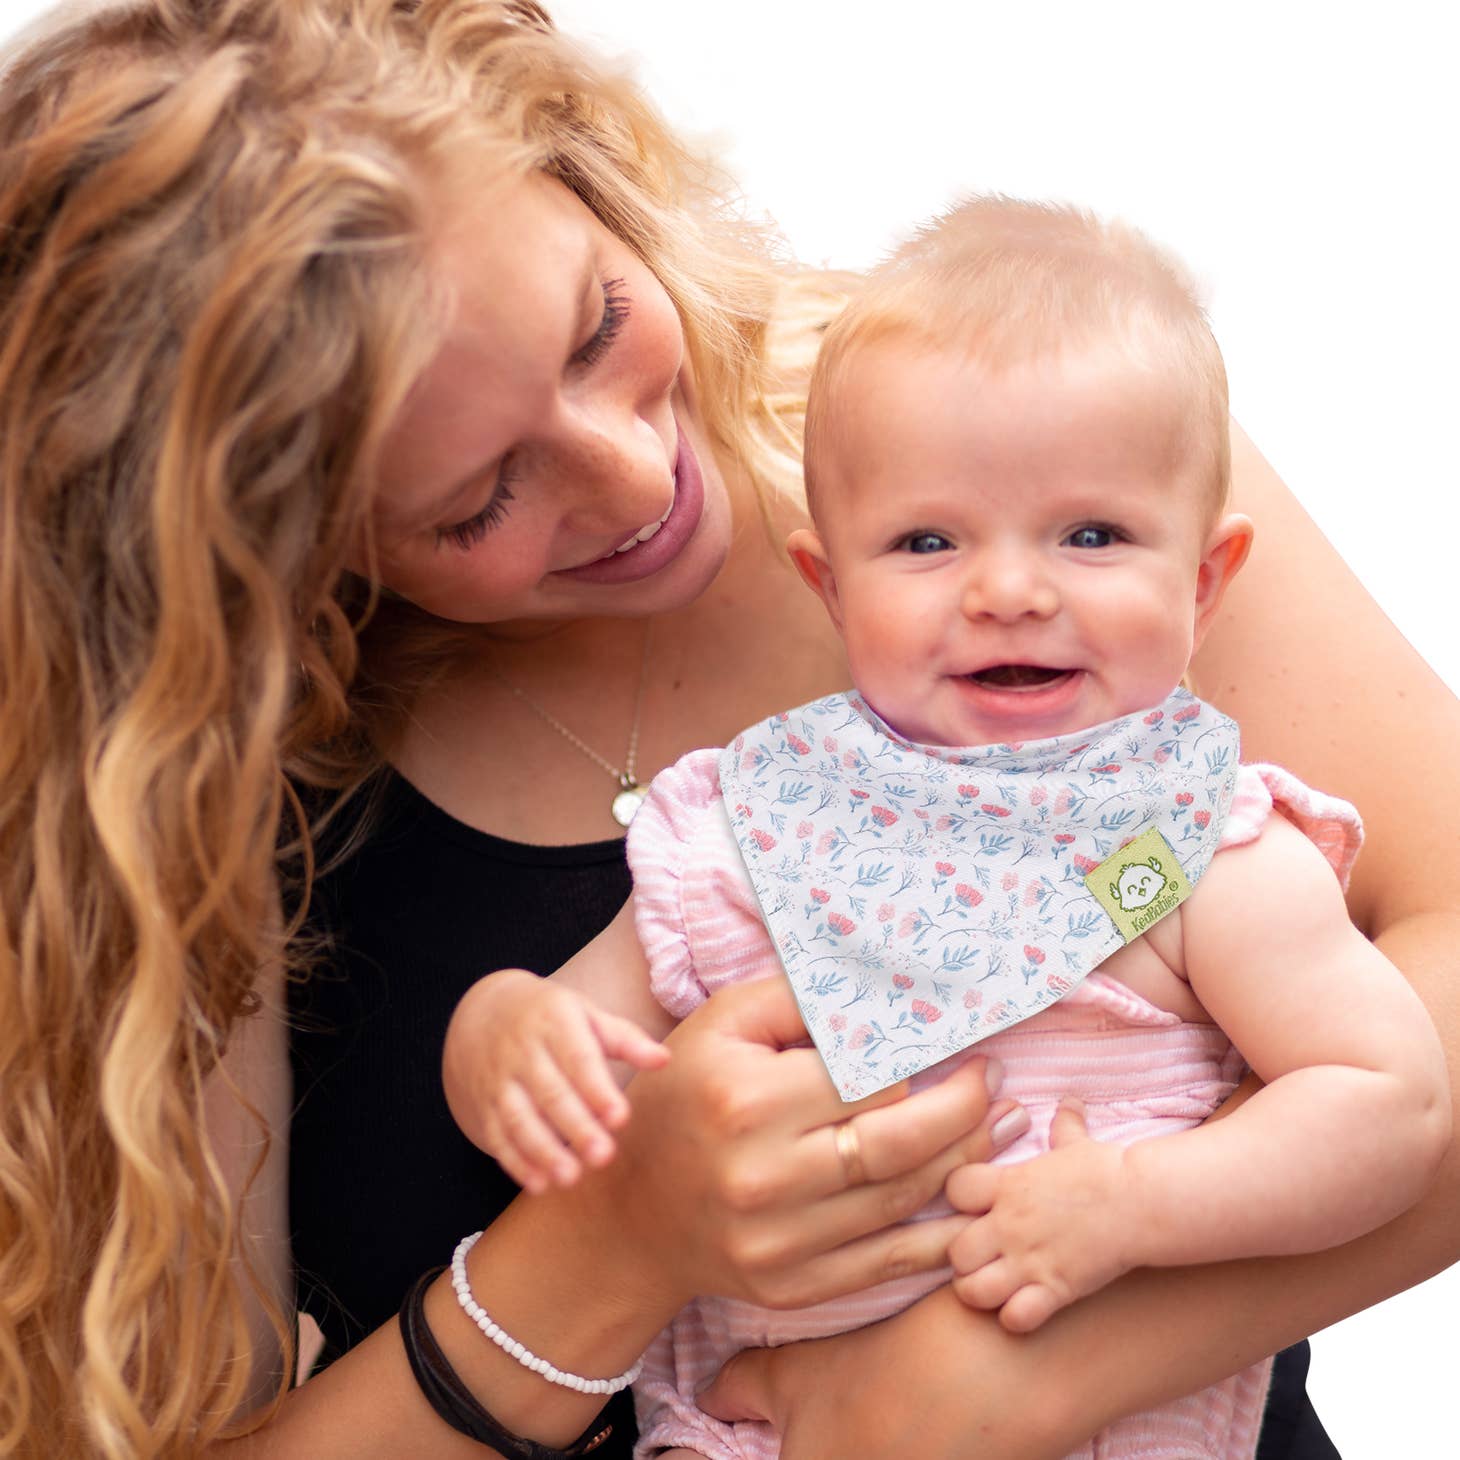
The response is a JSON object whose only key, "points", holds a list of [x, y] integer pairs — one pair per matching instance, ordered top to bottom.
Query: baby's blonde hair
{"points": [[214, 228], [1010, 283]]}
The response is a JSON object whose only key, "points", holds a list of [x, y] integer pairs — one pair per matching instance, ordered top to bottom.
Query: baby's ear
{"points": [[1226, 549], [808, 552]]}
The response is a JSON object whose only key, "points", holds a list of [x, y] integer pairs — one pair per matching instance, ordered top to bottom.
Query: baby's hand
{"points": [[527, 1074], [1045, 1232]]}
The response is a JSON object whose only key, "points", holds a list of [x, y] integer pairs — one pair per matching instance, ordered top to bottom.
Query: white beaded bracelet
{"points": [[509, 1345]]}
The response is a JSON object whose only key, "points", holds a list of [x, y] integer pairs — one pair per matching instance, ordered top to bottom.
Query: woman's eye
{"points": [[616, 305], [466, 535], [1092, 535], [926, 542]]}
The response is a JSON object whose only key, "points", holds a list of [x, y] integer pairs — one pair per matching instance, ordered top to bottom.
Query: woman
{"points": [[296, 287]]}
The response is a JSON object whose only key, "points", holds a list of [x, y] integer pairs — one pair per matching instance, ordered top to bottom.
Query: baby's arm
{"points": [[527, 1060], [1346, 1133]]}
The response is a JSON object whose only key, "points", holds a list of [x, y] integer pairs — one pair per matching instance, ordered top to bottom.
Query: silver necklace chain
{"points": [[631, 793]]}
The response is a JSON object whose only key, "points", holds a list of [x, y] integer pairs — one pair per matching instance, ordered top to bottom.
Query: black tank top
{"points": [[382, 1185]]}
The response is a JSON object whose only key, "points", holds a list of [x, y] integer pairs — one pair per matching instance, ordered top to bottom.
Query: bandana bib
{"points": [[922, 897]]}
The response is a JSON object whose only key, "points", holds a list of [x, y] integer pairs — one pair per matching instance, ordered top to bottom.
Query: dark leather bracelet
{"points": [[457, 1405]]}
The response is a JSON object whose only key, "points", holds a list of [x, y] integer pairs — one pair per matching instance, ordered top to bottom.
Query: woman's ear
{"points": [[1226, 549], [808, 552]]}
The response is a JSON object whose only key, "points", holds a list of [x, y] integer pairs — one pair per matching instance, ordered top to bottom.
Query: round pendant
{"points": [[627, 803]]}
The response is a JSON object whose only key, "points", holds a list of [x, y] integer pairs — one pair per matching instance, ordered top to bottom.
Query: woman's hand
{"points": [[732, 1180], [935, 1381]]}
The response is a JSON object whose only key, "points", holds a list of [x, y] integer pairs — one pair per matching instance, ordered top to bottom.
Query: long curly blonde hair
{"points": [[212, 300]]}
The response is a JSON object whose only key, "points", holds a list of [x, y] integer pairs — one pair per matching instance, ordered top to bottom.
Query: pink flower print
{"points": [[1189, 713], [1155, 717], [739, 743], [797, 744], [828, 744], [1160, 755], [749, 760], [850, 760], [1108, 769], [969, 791], [861, 795], [1038, 796], [1184, 798], [1063, 802], [994, 810], [920, 813], [883, 815], [1202, 819], [943, 823], [804, 829], [1064, 838], [763, 839], [825, 842], [1083, 864], [944, 869], [1009, 881], [1032, 894], [821, 896], [968, 896], [886, 912], [840, 924], [908, 926], [1034, 955], [902, 980], [1058, 983], [972, 999], [997, 1012], [926, 1013], [838, 1022], [860, 1036]]}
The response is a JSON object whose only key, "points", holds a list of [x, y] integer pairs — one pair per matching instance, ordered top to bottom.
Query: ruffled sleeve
{"points": [[1332, 825], [696, 913]]}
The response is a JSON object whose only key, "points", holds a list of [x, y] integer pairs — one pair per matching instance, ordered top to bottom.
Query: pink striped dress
{"points": [[1140, 1070]]}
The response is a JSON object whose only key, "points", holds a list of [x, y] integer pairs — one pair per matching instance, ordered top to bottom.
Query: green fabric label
{"points": [[1140, 883]]}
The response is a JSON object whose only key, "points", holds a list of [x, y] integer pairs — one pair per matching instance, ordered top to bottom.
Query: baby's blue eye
{"points": [[1091, 536], [926, 542]]}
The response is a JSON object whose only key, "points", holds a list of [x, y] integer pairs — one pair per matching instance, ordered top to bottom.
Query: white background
{"points": [[1299, 157]]}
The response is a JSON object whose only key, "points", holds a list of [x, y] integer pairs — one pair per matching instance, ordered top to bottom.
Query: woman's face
{"points": [[550, 463]]}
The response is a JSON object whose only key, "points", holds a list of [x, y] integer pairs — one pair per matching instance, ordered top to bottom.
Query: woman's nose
{"points": [[619, 470], [1007, 586]]}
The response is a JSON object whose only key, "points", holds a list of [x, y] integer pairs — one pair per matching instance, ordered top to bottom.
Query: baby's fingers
{"points": [[622, 1039], [569, 1086], [526, 1147], [977, 1245], [991, 1286], [1032, 1305]]}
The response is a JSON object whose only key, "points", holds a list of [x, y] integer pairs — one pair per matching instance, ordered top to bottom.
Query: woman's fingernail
{"points": [[993, 1077], [1009, 1127]]}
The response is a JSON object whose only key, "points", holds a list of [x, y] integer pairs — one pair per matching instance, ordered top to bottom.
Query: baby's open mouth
{"points": [[1018, 676]]}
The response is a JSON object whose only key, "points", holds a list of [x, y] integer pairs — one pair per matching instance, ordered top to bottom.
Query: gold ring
{"points": [[849, 1151]]}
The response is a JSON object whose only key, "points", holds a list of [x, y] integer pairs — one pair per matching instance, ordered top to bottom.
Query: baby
{"points": [[1018, 834]]}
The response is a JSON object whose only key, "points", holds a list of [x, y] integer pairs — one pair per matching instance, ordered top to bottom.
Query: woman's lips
{"points": [[664, 544]]}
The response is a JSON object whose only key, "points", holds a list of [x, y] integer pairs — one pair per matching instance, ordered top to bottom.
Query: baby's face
{"points": [[1010, 557]]}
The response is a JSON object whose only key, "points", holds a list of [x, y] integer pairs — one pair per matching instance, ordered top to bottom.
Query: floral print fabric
{"points": [[923, 897]]}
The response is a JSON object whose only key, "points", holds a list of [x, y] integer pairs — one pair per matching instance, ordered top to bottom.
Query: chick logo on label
{"points": [[1140, 883]]}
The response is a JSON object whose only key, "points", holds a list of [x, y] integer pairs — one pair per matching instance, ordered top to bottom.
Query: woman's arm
{"points": [[1322, 683], [727, 1180]]}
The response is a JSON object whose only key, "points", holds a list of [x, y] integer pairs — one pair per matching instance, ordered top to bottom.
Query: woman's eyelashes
{"points": [[616, 305], [466, 535]]}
